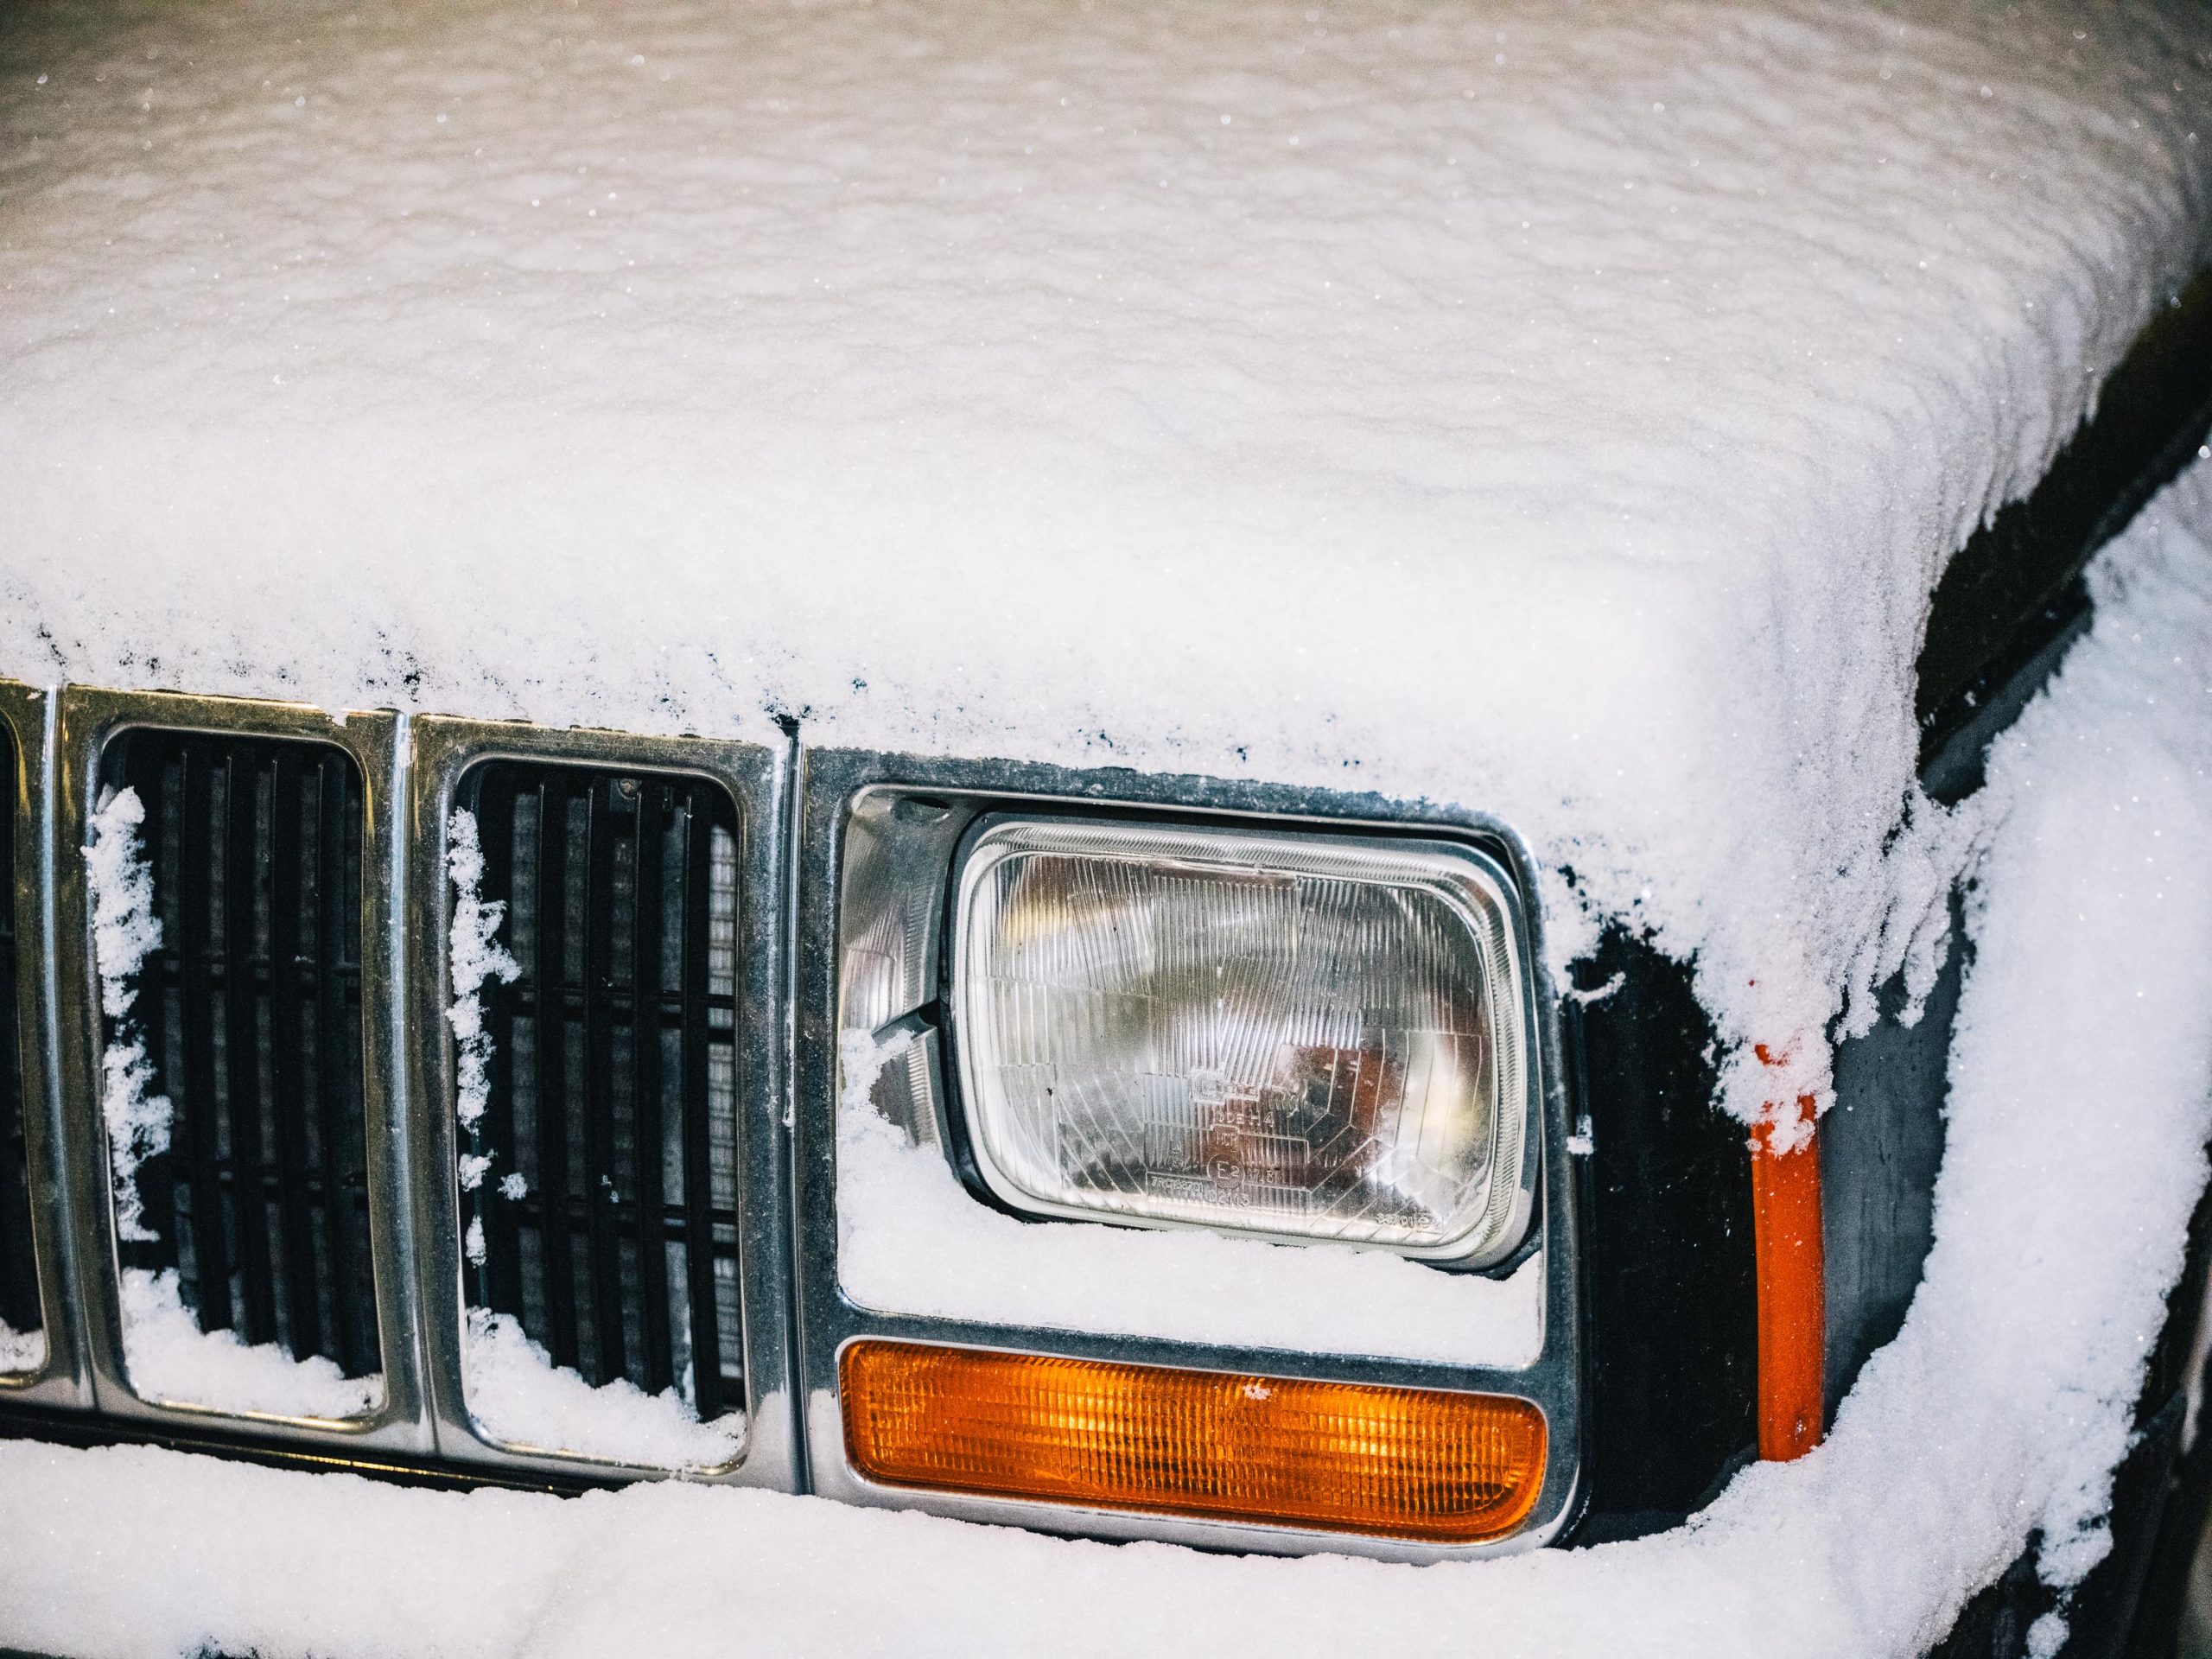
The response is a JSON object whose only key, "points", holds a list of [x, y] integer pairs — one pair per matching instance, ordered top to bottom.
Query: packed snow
{"points": [[1563, 411], [125, 929], [474, 956], [2081, 1097], [910, 1239], [20, 1351], [167, 1354], [173, 1360], [515, 1392], [519, 1397]]}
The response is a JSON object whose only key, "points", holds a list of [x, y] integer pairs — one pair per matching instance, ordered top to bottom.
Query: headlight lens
{"points": [[1314, 1037]]}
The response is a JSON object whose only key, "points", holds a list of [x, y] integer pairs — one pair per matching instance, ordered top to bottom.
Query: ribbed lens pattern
{"points": [[1170, 1027], [1405, 1463]]}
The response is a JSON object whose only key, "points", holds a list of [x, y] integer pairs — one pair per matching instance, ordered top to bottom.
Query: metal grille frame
{"points": [[89, 720], [443, 752], [833, 782], [65, 1378]]}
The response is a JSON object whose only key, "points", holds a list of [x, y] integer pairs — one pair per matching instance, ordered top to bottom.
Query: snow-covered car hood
{"points": [[1563, 412], [1566, 413]]}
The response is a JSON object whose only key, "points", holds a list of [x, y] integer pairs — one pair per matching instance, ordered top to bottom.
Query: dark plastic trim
{"points": [[2016, 585]]}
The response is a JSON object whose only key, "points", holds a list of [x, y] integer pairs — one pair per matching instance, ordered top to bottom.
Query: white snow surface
{"points": [[1560, 411], [124, 928], [474, 956], [2080, 1068], [910, 1239], [20, 1351], [172, 1359], [518, 1395]]}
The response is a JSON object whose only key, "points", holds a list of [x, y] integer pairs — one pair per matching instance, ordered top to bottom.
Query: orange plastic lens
{"points": [[1792, 1287], [1338, 1456]]}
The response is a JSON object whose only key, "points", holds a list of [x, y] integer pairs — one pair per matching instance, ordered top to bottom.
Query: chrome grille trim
{"points": [[89, 719], [443, 751], [64, 1377]]}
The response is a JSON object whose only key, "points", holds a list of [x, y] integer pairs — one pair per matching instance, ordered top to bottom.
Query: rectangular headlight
{"points": [[1299, 1036]]}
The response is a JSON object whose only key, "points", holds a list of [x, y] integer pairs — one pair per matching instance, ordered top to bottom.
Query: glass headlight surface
{"points": [[1307, 1036]]}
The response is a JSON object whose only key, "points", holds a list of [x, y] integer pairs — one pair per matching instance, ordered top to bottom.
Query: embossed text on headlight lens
{"points": [[1317, 1037]]}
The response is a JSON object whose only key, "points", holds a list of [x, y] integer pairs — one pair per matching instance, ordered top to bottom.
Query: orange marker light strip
{"points": [[1791, 1271], [1338, 1456]]}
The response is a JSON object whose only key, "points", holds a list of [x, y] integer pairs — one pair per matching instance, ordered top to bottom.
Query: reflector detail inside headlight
{"points": [[1308, 1037]]}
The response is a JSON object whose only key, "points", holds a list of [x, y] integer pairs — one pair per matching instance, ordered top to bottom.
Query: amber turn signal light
{"points": [[1335, 1457]]}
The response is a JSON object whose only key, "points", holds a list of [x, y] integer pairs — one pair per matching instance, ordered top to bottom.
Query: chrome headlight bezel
{"points": [[878, 840], [1468, 881]]}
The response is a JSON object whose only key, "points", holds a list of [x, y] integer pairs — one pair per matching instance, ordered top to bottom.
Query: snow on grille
{"points": [[226, 879], [598, 1177]]}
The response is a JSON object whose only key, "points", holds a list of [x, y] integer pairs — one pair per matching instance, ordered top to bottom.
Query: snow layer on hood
{"points": [[1560, 411], [2080, 1068]]}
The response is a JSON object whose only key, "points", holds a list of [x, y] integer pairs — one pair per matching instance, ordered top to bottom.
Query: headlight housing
{"points": [[948, 938], [1298, 1037]]}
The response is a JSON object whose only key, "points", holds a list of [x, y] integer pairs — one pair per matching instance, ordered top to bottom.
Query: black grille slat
{"points": [[496, 832], [337, 898], [252, 1011], [550, 1048], [242, 1049], [611, 1070], [288, 1074], [196, 1128], [698, 1156], [647, 1160], [600, 1189], [671, 1226], [20, 1308]]}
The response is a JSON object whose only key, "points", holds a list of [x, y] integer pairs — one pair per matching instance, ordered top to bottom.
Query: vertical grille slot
{"points": [[252, 1014], [613, 1076], [19, 1299]]}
